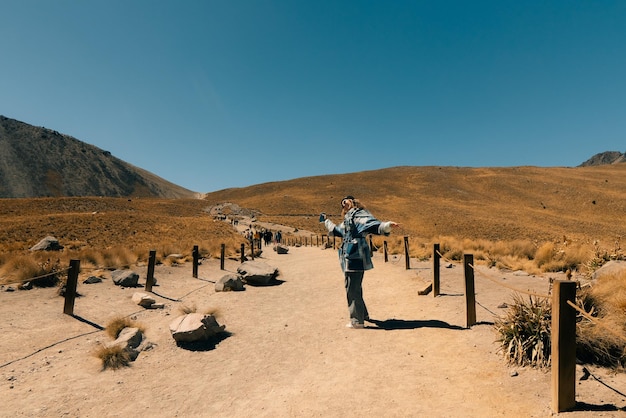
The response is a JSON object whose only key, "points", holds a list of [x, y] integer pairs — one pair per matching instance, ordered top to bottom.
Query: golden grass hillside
{"points": [[489, 210], [550, 218], [106, 232]]}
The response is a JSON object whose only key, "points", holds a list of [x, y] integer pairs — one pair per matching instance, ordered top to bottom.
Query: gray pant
{"points": [[354, 292]]}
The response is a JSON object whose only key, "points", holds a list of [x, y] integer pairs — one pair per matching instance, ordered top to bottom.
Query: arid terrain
{"points": [[287, 352]]}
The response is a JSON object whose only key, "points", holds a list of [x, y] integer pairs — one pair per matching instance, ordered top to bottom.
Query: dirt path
{"points": [[288, 354]]}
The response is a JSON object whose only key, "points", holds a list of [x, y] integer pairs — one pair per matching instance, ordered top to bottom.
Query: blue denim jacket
{"points": [[354, 253]]}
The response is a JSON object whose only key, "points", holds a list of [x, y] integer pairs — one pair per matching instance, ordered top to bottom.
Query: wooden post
{"points": [[317, 240], [222, 251], [385, 251], [243, 252], [406, 253], [196, 256], [436, 270], [150, 276], [70, 287], [470, 296], [563, 346]]}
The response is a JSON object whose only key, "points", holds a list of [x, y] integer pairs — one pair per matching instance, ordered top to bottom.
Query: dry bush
{"points": [[602, 255], [118, 257], [37, 268], [187, 309], [213, 312], [116, 325], [524, 332], [603, 341], [113, 357]]}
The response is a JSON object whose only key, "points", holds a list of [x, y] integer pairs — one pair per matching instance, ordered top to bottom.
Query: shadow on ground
{"points": [[393, 324], [205, 345]]}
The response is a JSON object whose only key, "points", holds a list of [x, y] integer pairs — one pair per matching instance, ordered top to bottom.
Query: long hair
{"points": [[356, 203]]}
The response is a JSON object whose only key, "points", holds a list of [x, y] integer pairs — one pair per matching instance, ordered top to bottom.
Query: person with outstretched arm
{"points": [[354, 253]]}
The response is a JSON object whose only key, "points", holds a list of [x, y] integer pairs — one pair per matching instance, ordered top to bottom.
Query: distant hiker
{"points": [[267, 237], [278, 237], [354, 253]]}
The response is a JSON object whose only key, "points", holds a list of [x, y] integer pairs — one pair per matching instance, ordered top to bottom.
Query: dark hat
{"points": [[349, 197]]}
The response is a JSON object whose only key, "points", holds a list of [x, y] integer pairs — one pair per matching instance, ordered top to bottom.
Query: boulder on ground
{"points": [[49, 243], [281, 249], [612, 268], [257, 272], [125, 278], [229, 282], [143, 299], [194, 327], [131, 340]]}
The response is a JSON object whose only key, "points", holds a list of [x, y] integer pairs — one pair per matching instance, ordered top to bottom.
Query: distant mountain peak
{"points": [[604, 158], [40, 162]]}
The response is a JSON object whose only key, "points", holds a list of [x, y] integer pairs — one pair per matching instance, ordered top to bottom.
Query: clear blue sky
{"points": [[217, 94]]}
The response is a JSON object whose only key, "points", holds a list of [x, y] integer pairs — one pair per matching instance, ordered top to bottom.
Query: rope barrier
{"points": [[43, 276], [527, 292], [595, 321], [92, 332]]}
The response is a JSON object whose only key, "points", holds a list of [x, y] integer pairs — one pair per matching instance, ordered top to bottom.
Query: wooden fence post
{"points": [[222, 251], [385, 251], [406, 253], [196, 256], [436, 270], [150, 276], [70, 287], [470, 296], [563, 346]]}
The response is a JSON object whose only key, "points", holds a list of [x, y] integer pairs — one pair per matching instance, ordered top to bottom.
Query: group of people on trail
{"points": [[267, 236], [354, 253]]}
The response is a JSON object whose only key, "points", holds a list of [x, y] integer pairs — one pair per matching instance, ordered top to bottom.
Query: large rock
{"points": [[49, 243], [281, 249], [612, 268], [257, 272], [125, 278], [229, 282], [143, 299], [194, 327], [131, 340]]}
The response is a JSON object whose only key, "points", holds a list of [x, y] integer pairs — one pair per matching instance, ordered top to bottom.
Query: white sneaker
{"points": [[355, 325]]}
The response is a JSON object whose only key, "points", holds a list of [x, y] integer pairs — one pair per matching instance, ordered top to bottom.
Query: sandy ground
{"points": [[288, 352]]}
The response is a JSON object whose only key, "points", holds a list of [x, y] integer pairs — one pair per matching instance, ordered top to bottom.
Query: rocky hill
{"points": [[603, 158], [40, 162]]}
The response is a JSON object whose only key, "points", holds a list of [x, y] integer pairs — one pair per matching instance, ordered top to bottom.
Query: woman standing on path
{"points": [[354, 254]]}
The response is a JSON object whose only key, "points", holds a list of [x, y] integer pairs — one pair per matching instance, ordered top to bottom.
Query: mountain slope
{"points": [[607, 157], [39, 162], [506, 204]]}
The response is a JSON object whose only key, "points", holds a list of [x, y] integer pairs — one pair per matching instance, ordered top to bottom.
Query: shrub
{"points": [[524, 332], [113, 357]]}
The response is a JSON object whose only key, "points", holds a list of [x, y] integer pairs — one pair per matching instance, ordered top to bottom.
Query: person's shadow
{"points": [[393, 324]]}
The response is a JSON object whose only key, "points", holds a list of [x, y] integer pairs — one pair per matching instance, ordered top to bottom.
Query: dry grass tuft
{"points": [[36, 269], [187, 309], [116, 325], [524, 332], [603, 341], [113, 357]]}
